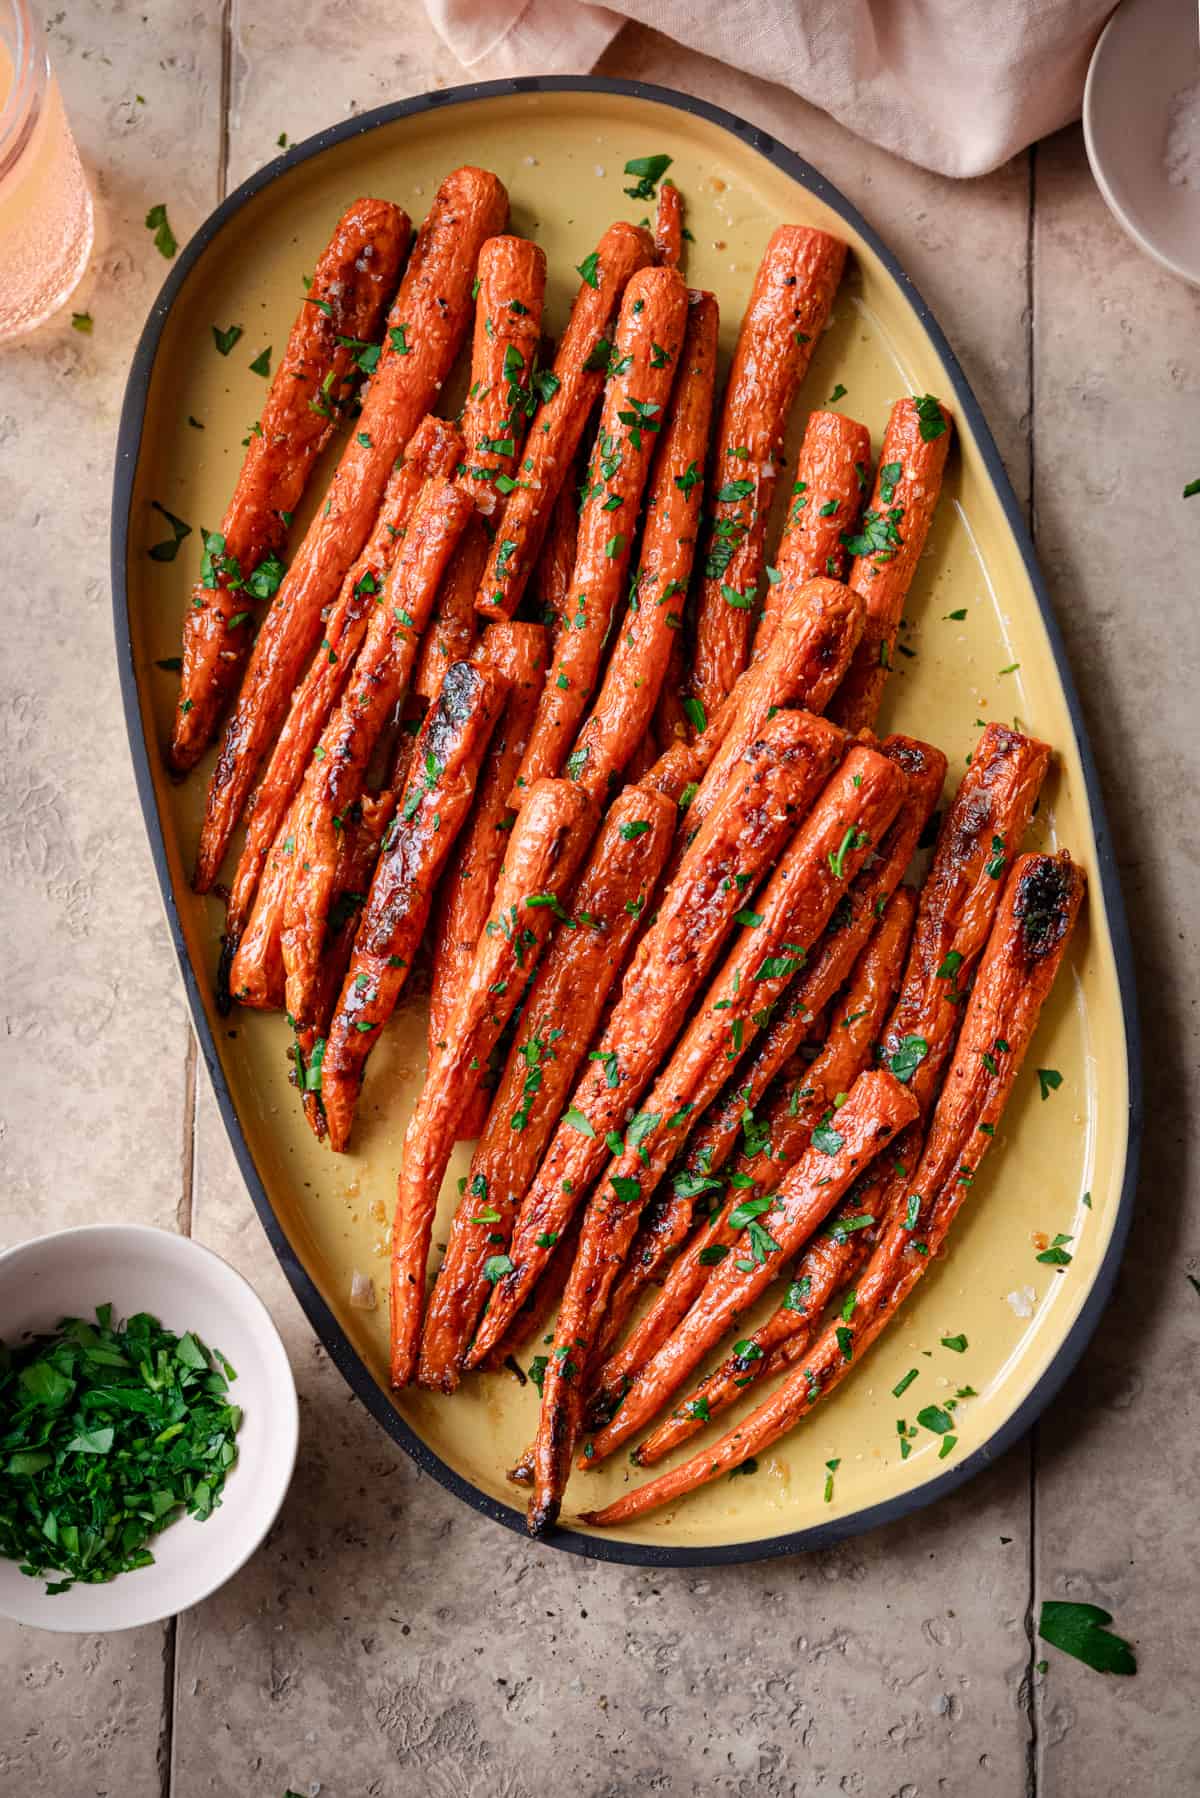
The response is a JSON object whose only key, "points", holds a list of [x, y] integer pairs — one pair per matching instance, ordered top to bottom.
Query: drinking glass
{"points": [[46, 218]]}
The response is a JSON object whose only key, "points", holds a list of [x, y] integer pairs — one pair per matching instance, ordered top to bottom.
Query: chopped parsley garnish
{"points": [[647, 172], [164, 237], [589, 270], [82, 321], [225, 340], [261, 364], [838, 393], [929, 417], [168, 550], [910, 1053], [1049, 1079], [827, 1140], [1056, 1255], [957, 1343], [108, 1434]]}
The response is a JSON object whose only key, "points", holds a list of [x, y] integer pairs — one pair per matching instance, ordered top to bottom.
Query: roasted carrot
{"points": [[668, 226], [352, 283], [788, 310], [508, 326], [425, 330], [646, 354], [571, 390], [433, 452], [832, 472], [889, 545], [551, 585], [812, 648], [519, 652], [625, 705], [670, 713], [643, 759], [676, 771], [782, 773], [337, 774], [437, 798], [981, 831], [548, 842], [358, 853], [957, 904], [1037, 914], [852, 923], [779, 925], [252, 971], [558, 1021], [876, 1107], [775, 1138], [713, 1141], [532, 1322]]}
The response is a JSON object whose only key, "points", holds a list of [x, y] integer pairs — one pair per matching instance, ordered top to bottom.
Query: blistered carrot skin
{"points": [[668, 226], [352, 283], [789, 308], [508, 325], [425, 330], [646, 355], [557, 426], [433, 452], [833, 469], [889, 544], [820, 625], [519, 652], [637, 667], [337, 774], [782, 775], [434, 806], [548, 843], [1037, 915], [778, 927], [558, 1021], [876, 1108], [777, 1136]]}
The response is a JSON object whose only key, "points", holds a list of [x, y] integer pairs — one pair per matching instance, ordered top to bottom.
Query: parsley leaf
{"points": [[164, 237], [1080, 1630]]}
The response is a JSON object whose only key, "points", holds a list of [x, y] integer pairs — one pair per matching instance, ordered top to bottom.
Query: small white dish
{"points": [[1141, 125], [186, 1287]]}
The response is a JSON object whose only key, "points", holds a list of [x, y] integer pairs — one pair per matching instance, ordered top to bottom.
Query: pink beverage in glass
{"points": [[46, 219]]}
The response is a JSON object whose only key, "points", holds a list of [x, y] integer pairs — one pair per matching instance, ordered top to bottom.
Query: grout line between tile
{"points": [[187, 1200], [1033, 1748]]}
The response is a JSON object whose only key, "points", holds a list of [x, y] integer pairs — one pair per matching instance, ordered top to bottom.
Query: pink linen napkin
{"points": [[956, 85]]}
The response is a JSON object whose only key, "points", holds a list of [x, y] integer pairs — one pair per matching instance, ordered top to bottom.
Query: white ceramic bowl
{"points": [[1144, 69], [186, 1287]]}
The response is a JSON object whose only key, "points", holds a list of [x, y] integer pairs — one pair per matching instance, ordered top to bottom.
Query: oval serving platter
{"points": [[560, 146]]}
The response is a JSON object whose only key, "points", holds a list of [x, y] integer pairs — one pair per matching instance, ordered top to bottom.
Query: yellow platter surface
{"points": [[561, 155]]}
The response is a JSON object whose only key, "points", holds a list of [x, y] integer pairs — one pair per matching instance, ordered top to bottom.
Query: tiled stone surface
{"points": [[1117, 372], [95, 1060], [386, 1640]]}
